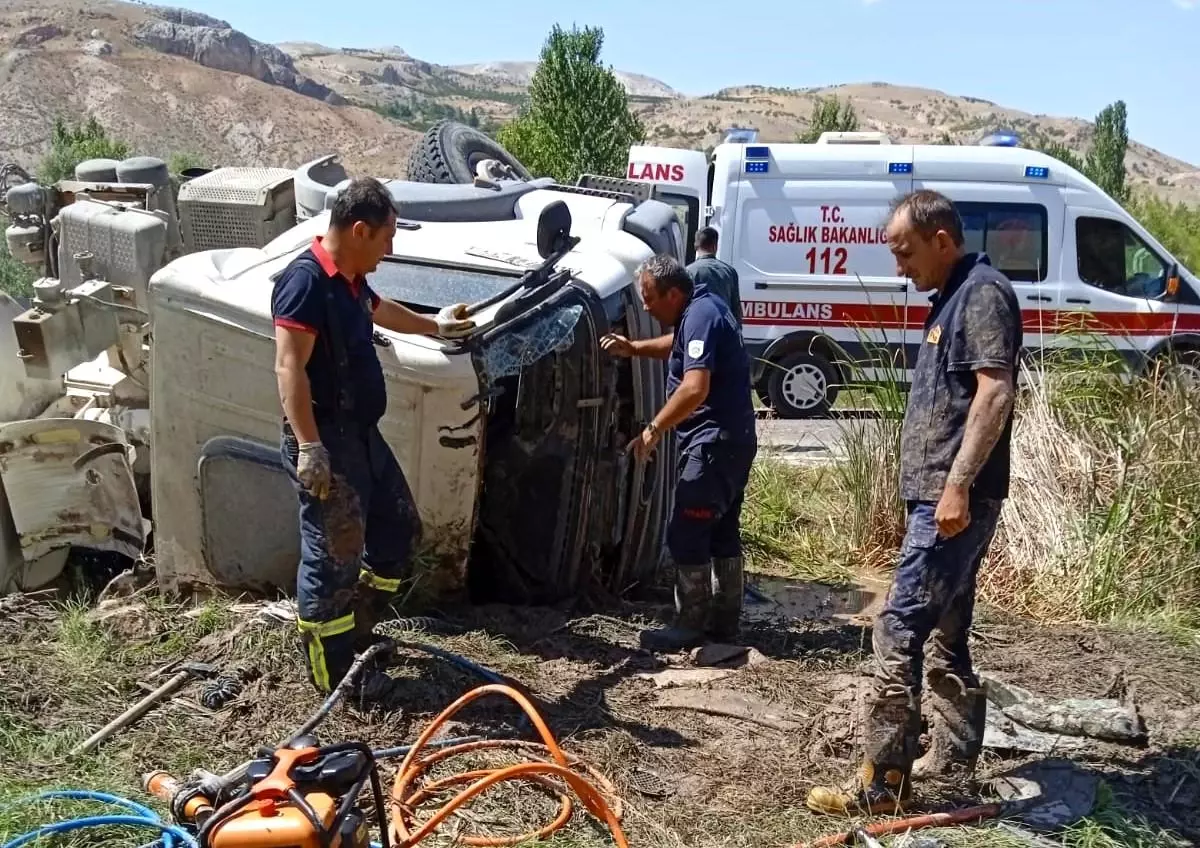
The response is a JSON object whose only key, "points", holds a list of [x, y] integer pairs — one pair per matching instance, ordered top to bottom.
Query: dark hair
{"points": [[364, 199], [929, 211], [706, 238], [666, 272]]}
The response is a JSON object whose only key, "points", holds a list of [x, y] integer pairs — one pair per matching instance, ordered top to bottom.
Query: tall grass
{"points": [[1103, 519], [1102, 523]]}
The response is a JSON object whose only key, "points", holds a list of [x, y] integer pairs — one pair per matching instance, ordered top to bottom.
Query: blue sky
{"points": [[1019, 53]]}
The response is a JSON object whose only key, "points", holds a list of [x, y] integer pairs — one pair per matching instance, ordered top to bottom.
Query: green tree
{"points": [[829, 115], [578, 119], [70, 145], [1063, 154], [180, 162], [1105, 165], [16, 279]]}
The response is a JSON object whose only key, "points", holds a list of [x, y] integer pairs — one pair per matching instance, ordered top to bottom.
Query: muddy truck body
{"points": [[142, 407]]}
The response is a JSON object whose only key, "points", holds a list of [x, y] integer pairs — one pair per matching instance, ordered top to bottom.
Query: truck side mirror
{"points": [[553, 229]]}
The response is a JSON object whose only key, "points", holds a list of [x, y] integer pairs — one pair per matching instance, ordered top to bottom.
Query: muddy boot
{"points": [[729, 586], [693, 602], [372, 606], [375, 688], [959, 714], [883, 784], [877, 789]]}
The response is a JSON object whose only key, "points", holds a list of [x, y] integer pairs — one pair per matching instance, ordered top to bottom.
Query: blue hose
{"points": [[172, 836]]}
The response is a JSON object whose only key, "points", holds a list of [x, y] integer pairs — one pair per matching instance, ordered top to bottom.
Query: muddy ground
{"points": [[686, 777]]}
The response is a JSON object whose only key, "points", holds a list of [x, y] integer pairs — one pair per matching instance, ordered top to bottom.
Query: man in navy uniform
{"points": [[709, 407], [954, 476], [358, 521]]}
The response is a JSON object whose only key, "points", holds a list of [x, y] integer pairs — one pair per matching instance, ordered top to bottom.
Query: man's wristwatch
{"points": [[652, 429]]}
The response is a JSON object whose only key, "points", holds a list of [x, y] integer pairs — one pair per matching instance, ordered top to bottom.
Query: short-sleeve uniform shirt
{"points": [[307, 296], [974, 323], [707, 336]]}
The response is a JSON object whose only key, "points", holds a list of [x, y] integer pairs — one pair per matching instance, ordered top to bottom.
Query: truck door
{"points": [[681, 179], [1020, 227]]}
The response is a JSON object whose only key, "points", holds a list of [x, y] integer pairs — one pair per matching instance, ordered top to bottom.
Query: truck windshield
{"points": [[436, 285]]}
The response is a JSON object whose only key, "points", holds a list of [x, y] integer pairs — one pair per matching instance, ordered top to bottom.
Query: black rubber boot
{"points": [[729, 587], [371, 607], [693, 607], [957, 723]]}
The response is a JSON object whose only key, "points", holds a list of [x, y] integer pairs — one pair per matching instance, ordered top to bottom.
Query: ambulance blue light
{"points": [[758, 153], [757, 167], [900, 168], [1037, 172]]}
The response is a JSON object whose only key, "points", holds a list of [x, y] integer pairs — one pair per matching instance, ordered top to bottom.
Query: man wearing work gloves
{"points": [[708, 404], [954, 476], [358, 521]]}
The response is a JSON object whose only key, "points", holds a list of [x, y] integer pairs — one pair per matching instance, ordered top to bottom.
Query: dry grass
{"points": [[1102, 521], [1100, 524]]}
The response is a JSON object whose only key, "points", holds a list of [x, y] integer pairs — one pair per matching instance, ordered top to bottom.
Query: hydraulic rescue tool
{"points": [[303, 795]]}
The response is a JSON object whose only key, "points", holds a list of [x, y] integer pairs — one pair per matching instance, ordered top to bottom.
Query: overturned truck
{"points": [[141, 403]]}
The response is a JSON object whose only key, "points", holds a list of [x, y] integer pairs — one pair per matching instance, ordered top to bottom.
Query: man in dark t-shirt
{"points": [[717, 276], [709, 406], [954, 477], [358, 520]]}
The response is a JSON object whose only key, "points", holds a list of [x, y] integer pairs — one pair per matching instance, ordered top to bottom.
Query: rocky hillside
{"points": [[170, 80]]}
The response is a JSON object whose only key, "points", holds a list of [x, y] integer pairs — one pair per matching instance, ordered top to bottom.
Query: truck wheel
{"points": [[450, 152], [802, 385]]}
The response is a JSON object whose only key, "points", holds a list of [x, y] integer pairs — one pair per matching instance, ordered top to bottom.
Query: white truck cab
{"points": [[823, 305], [139, 408]]}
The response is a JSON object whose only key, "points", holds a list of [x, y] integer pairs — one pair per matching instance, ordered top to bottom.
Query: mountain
{"points": [[168, 81]]}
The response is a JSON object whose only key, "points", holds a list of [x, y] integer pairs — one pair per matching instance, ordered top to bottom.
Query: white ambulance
{"points": [[823, 307]]}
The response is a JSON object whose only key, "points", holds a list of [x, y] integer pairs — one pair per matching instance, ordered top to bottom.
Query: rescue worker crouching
{"points": [[709, 405], [954, 477], [358, 520]]}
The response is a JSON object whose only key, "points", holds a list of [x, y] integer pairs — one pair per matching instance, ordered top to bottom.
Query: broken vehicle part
{"points": [[68, 482], [1105, 719]]}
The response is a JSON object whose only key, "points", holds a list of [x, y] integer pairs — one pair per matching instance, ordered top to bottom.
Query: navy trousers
{"points": [[708, 502], [358, 540], [933, 589]]}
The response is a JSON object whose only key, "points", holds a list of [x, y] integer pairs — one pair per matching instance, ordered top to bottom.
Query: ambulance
{"points": [[823, 306]]}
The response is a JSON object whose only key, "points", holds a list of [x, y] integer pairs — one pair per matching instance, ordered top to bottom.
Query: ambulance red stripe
{"points": [[891, 317]]}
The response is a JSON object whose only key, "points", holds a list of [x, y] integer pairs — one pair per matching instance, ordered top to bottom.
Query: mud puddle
{"points": [[773, 598]]}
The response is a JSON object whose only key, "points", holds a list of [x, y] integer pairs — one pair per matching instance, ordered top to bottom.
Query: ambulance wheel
{"points": [[450, 152], [1180, 369], [802, 385]]}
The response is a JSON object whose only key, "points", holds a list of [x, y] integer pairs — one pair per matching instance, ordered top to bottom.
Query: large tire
{"points": [[450, 151], [1179, 368], [802, 385]]}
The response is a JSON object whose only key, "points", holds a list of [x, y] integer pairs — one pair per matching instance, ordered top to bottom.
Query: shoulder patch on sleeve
{"points": [[696, 348]]}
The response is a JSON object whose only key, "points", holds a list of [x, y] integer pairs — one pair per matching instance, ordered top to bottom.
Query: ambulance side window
{"points": [[1013, 235], [1113, 258]]}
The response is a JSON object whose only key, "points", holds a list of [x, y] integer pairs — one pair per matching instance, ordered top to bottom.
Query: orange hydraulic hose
{"points": [[406, 795], [968, 815]]}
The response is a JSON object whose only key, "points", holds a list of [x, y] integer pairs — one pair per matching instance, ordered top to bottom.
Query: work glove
{"points": [[452, 321], [312, 467]]}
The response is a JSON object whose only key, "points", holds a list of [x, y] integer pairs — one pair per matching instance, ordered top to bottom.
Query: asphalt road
{"points": [[810, 440]]}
